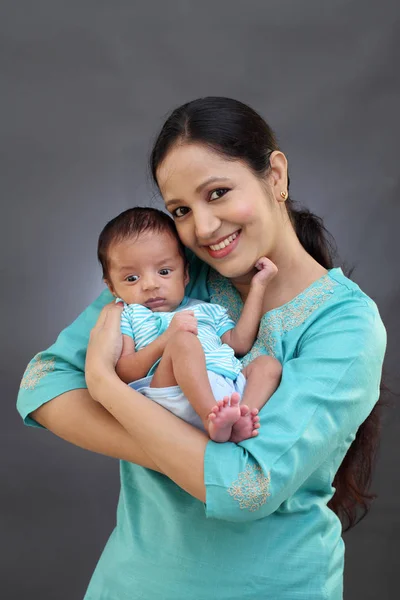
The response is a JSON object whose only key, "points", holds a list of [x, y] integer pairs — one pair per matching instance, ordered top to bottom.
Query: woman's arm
{"points": [[326, 392], [75, 417], [173, 445]]}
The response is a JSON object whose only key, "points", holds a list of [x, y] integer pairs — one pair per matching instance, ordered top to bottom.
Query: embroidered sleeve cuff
{"points": [[45, 378], [236, 485]]}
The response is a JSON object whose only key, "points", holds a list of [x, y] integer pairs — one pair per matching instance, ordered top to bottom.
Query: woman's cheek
{"points": [[245, 213], [184, 235]]}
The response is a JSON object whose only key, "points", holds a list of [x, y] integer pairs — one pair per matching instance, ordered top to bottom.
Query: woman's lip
{"points": [[223, 238], [224, 251]]}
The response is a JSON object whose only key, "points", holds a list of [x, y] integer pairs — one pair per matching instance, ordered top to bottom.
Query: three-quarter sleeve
{"points": [[60, 368], [328, 389]]}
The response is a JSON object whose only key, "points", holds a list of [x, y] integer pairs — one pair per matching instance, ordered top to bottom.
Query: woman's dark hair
{"points": [[237, 132], [132, 223]]}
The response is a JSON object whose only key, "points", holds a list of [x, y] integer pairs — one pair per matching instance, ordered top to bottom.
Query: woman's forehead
{"points": [[188, 167]]}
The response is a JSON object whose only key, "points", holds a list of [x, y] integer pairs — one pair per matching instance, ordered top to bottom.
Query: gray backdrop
{"points": [[85, 86]]}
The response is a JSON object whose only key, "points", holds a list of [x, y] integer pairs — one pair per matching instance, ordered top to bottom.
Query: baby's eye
{"points": [[218, 193], [181, 211], [165, 271], [132, 278]]}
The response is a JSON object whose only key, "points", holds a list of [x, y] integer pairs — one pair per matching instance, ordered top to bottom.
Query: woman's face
{"points": [[223, 212]]}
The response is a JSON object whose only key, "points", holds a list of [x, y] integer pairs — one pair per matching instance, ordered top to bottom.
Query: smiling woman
{"points": [[234, 196], [281, 493]]}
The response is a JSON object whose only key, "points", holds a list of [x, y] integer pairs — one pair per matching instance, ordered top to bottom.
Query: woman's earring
{"points": [[284, 195]]}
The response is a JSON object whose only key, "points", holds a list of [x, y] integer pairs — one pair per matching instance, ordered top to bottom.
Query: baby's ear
{"points": [[187, 277], [110, 287]]}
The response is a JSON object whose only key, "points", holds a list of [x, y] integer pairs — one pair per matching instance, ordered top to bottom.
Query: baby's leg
{"points": [[183, 363], [263, 376]]}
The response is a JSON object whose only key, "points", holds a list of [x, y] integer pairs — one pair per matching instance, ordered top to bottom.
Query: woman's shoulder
{"points": [[349, 298], [333, 307], [336, 311], [70, 345]]}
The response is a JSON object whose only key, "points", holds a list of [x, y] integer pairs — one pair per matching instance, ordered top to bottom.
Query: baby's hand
{"points": [[266, 271], [183, 321]]}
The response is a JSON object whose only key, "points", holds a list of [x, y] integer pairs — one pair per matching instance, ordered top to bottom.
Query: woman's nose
{"points": [[206, 223]]}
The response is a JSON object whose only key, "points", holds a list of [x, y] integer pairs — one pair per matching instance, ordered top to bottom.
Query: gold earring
{"points": [[284, 195]]}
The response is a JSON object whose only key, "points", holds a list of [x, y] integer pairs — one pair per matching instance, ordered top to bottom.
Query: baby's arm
{"points": [[243, 336], [133, 365]]}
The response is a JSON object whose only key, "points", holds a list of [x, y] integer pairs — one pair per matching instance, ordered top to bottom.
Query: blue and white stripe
{"points": [[144, 326]]}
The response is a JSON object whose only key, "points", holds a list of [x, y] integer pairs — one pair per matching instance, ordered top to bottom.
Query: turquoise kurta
{"points": [[265, 531]]}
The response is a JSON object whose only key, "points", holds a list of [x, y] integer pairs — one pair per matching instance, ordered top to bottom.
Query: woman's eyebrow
{"points": [[209, 181], [200, 188]]}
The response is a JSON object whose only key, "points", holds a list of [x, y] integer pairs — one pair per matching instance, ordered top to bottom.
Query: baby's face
{"points": [[148, 270]]}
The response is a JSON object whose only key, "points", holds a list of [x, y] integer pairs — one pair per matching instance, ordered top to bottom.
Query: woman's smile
{"points": [[224, 246]]}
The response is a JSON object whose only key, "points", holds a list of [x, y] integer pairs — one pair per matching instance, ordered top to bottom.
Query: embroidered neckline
{"points": [[325, 281], [279, 320]]}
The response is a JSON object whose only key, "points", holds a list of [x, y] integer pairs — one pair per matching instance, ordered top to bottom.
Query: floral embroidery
{"points": [[224, 293], [275, 322], [265, 343], [35, 371], [251, 489]]}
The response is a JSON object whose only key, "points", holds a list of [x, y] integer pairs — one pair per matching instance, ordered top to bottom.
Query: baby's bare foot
{"points": [[222, 418], [246, 426]]}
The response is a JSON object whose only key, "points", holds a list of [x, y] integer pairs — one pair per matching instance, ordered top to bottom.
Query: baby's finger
{"points": [[261, 263]]}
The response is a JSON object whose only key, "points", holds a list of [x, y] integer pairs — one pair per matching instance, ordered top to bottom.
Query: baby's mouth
{"points": [[154, 302]]}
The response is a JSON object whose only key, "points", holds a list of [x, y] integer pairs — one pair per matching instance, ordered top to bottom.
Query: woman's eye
{"points": [[218, 193], [181, 211], [164, 271], [132, 278]]}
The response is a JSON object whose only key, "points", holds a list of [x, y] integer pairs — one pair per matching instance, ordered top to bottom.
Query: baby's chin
{"points": [[166, 307]]}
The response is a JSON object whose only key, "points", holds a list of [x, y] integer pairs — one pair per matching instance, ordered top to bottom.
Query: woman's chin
{"points": [[231, 266], [234, 271]]}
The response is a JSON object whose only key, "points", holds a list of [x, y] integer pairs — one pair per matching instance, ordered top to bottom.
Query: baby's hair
{"points": [[132, 223]]}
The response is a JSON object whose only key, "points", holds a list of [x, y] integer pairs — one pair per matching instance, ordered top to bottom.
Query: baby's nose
{"points": [[150, 283]]}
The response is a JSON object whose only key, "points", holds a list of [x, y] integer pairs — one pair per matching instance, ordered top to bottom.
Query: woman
{"points": [[202, 519]]}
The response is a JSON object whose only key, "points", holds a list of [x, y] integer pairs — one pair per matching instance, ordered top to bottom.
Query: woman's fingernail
{"points": [[120, 303]]}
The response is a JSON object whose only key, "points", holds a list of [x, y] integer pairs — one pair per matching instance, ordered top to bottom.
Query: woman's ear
{"points": [[278, 176]]}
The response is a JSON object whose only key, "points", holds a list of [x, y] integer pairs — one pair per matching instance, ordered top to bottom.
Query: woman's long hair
{"points": [[236, 131]]}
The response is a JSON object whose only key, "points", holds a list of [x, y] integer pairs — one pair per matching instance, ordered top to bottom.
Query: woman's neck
{"points": [[297, 270]]}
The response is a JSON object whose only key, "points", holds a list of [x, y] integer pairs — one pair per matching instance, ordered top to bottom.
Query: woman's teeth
{"points": [[224, 242]]}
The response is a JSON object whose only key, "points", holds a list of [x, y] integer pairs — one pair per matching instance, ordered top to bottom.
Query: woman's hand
{"points": [[104, 349]]}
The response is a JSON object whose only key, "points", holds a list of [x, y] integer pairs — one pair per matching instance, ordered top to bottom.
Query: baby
{"points": [[180, 351]]}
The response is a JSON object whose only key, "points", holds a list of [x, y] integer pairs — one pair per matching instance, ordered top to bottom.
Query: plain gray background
{"points": [[85, 87]]}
